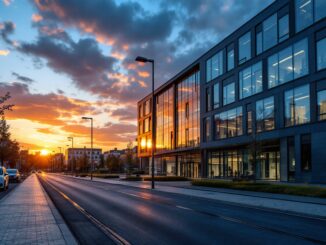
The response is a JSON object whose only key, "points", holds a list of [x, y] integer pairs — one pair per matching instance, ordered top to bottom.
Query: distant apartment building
{"points": [[252, 106], [77, 153]]}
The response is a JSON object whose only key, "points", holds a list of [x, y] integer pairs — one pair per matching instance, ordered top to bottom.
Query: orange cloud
{"points": [[37, 18], [4, 52], [143, 74]]}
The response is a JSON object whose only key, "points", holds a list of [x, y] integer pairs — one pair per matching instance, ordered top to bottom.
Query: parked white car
{"points": [[4, 179]]}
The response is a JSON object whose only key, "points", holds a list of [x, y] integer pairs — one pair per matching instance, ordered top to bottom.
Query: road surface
{"points": [[143, 216]]}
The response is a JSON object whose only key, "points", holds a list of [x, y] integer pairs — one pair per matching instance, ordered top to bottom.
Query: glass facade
{"points": [[307, 12], [283, 28], [270, 32], [244, 48], [321, 54], [230, 58], [288, 64], [214, 66], [251, 80], [228, 93], [216, 95], [208, 99], [321, 102], [297, 106], [147, 107], [188, 112], [265, 114], [164, 121], [228, 123], [207, 128], [306, 152], [230, 164], [165, 165]]}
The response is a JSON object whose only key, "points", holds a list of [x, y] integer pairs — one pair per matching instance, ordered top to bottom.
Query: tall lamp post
{"points": [[145, 60], [72, 149], [60, 156], [92, 166]]}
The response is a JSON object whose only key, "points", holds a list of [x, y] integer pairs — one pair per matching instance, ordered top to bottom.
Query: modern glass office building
{"points": [[254, 106]]}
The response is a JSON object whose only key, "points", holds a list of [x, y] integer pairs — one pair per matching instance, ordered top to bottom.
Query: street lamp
{"points": [[145, 60], [72, 149], [92, 167]]}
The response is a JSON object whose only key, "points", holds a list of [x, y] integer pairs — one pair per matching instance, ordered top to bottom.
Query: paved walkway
{"points": [[286, 203], [28, 216]]}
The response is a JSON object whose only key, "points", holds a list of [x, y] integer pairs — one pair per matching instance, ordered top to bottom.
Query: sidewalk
{"points": [[287, 203], [28, 216]]}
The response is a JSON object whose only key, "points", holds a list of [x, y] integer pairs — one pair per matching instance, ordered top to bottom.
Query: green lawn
{"points": [[311, 191]]}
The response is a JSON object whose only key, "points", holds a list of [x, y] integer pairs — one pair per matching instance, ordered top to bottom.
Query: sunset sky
{"points": [[65, 59]]}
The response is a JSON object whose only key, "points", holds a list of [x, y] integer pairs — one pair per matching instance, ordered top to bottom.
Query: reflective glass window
{"points": [[320, 9], [303, 14], [283, 28], [270, 32], [259, 43], [244, 48], [321, 54], [300, 58], [230, 59], [288, 64], [214, 66], [250, 80], [228, 93], [216, 95], [208, 99], [321, 102], [297, 106], [265, 114], [228, 123], [207, 129]]}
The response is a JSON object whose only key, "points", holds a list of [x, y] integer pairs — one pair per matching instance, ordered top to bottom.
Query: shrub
{"points": [[132, 178], [166, 178], [311, 191]]}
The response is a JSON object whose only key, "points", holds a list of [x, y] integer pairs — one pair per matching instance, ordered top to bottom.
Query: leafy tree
{"points": [[5, 107], [9, 149], [113, 163]]}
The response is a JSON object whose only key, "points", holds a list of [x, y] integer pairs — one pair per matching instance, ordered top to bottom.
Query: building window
{"points": [[320, 6], [307, 12], [283, 28], [270, 32], [259, 42], [244, 48], [321, 54], [230, 58], [288, 64], [214, 66], [251, 80], [228, 93], [216, 95], [208, 99], [321, 101], [297, 106], [147, 107], [187, 110], [140, 111], [265, 114], [249, 122], [228, 123], [207, 124], [147, 125], [140, 127], [305, 152], [291, 157]]}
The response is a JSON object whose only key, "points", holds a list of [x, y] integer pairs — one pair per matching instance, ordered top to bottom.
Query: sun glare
{"points": [[44, 152]]}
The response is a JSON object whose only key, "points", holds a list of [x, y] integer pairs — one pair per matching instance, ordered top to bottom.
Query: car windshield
{"points": [[11, 171]]}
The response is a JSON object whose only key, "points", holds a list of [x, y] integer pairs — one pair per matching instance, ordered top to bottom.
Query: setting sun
{"points": [[44, 152]]}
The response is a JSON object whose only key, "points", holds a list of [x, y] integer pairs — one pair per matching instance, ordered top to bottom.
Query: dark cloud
{"points": [[125, 22], [7, 28], [22, 78], [125, 114]]}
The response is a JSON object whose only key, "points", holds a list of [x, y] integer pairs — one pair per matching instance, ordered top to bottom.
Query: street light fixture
{"points": [[146, 60], [72, 149], [92, 165]]}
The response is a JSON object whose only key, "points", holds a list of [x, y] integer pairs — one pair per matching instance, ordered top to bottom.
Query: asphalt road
{"points": [[151, 217]]}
